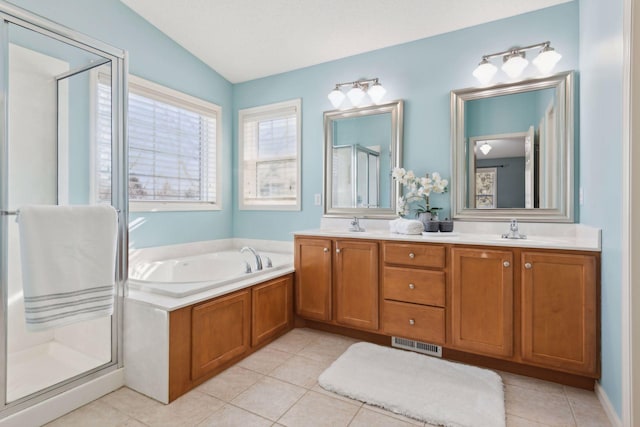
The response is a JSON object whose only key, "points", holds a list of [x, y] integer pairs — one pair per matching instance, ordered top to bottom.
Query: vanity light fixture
{"points": [[514, 62], [356, 94], [485, 148]]}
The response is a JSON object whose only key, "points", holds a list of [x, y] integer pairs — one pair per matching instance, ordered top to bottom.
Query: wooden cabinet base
{"points": [[209, 337], [578, 381]]}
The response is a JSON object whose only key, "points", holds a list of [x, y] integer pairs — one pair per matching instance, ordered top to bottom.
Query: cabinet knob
{"points": [[326, 249], [337, 250], [412, 255], [506, 264], [527, 265], [412, 286], [412, 322]]}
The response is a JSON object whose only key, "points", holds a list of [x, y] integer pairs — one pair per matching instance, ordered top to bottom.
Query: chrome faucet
{"points": [[355, 225], [514, 233], [255, 254]]}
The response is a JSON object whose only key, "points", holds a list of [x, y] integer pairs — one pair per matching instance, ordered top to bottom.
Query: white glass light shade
{"points": [[546, 60], [514, 64], [485, 71], [376, 92], [355, 95], [336, 97], [485, 148]]}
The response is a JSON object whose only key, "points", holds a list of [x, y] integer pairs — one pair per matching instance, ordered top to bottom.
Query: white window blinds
{"points": [[269, 141], [172, 146]]}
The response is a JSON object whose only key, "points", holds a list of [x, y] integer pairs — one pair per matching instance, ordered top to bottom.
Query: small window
{"points": [[173, 148], [269, 160]]}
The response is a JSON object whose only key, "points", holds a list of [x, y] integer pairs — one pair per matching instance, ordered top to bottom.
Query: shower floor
{"points": [[44, 365]]}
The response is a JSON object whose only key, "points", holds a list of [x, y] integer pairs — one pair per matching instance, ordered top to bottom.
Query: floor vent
{"points": [[420, 347]]}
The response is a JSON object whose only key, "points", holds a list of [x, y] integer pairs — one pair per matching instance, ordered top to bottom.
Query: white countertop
{"points": [[575, 237]]}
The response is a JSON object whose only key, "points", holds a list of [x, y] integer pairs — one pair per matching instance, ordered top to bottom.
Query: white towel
{"points": [[406, 226], [68, 263]]}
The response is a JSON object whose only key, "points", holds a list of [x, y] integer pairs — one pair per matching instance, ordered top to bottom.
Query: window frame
{"points": [[168, 94], [270, 109]]}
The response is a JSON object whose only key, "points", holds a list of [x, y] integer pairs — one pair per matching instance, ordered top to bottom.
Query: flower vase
{"points": [[425, 218]]}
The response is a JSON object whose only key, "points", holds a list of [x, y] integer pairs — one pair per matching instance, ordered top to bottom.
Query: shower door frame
{"points": [[10, 14]]}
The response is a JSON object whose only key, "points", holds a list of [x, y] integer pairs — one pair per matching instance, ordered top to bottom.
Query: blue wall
{"points": [[155, 57], [422, 73], [601, 108]]}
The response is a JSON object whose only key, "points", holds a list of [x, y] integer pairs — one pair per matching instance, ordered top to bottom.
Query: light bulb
{"points": [[547, 59], [514, 64], [485, 71], [376, 92], [355, 95], [336, 97], [485, 148]]}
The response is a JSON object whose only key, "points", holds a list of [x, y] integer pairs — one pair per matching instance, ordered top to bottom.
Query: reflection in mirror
{"points": [[362, 146], [513, 151]]}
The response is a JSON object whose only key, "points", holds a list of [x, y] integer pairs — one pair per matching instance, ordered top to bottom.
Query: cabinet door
{"points": [[356, 269], [313, 278], [482, 301], [272, 309], [559, 315], [219, 332]]}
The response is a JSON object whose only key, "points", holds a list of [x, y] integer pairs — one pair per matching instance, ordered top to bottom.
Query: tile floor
{"points": [[277, 386]]}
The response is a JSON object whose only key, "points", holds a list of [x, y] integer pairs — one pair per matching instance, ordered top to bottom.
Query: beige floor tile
{"points": [[295, 340], [326, 350], [265, 360], [300, 371], [230, 383], [531, 383], [320, 390], [269, 398], [130, 402], [535, 405], [587, 409], [188, 410], [318, 410], [96, 413], [393, 415], [231, 416], [368, 418], [514, 421], [132, 422]]}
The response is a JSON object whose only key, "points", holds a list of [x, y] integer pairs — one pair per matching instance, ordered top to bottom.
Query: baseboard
{"points": [[57, 406], [607, 406]]}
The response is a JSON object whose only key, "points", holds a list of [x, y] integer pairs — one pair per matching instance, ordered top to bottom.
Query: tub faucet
{"points": [[513, 233], [255, 254]]}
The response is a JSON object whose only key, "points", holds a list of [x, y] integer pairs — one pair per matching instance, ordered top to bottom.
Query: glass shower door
{"points": [[51, 157]]}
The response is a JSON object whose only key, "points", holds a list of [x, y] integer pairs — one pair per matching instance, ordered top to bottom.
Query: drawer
{"points": [[414, 255], [413, 285], [419, 322]]}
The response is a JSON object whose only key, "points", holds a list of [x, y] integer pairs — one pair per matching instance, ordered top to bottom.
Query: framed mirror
{"points": [[362, 146], [512, 151]]}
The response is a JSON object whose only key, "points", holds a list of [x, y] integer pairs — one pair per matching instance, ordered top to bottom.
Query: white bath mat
{"points": [[417, 386]]}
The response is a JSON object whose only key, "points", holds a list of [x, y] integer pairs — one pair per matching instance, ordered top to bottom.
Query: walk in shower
{"points": [[62, 143]]}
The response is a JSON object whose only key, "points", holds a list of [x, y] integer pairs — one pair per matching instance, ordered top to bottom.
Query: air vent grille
{"points": [[418, 346]]}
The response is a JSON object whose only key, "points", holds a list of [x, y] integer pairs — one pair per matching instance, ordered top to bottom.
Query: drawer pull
{"points": [[326, 250], [337, 251], [412, 255], [506, 264], [528, 265], [412, 286], [412, 322]]}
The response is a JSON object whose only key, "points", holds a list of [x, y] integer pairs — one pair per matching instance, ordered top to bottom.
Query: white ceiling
{"points": [[248, 39]]}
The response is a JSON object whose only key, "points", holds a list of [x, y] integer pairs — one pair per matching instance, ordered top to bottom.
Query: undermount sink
{"points": [[530, 239]]}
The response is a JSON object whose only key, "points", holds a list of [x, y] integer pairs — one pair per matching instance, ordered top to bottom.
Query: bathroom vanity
{"points": [[526, 306]]}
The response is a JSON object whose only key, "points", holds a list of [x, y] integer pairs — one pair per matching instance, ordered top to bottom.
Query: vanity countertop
{"points": [[575, 237]]}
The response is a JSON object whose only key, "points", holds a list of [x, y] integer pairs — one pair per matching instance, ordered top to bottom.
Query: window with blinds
{"points": [[269, 141], [173, 146]]}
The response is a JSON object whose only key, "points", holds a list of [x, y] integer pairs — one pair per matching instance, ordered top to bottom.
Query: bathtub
{"points": [[183, 276]]}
